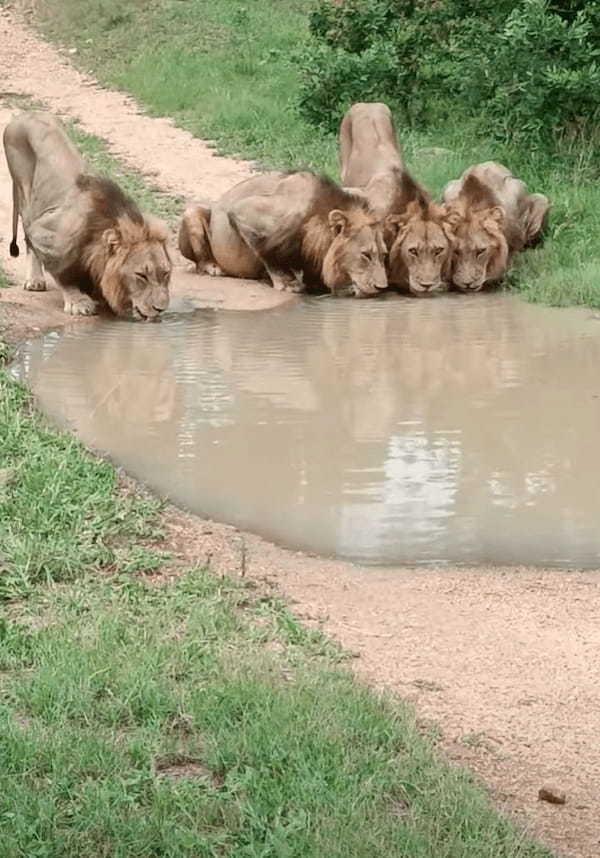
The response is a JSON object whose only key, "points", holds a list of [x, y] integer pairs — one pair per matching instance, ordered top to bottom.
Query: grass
{"points": [[226, 71], [60, 509], [193, 718]]}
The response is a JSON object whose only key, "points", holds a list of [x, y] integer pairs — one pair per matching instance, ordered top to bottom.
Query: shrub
{"points": [[368, 50], [528, 69]]}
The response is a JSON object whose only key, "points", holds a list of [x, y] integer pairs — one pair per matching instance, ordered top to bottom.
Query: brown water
{"points": [[458, 429]]}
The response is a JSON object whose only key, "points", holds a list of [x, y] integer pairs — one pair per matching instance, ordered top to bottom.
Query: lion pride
{"points": [[494, 217], [81, 228], [302, 230], [418, 232]]}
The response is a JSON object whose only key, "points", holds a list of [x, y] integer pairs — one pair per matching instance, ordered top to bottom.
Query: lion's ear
{"points": [[496, 215], [452, 217], [337, 221], [393, 223], [111, 239]]}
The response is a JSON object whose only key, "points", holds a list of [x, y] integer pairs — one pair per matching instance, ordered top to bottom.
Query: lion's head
{"points": [[420, 242], [481, 249], [123, 251], [355, 258], [132, 267]]}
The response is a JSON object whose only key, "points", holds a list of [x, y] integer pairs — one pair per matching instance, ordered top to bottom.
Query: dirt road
{"points": [[505, 661]]}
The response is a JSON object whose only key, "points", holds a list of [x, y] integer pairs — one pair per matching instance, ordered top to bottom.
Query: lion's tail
{"points": [[14, 247]]}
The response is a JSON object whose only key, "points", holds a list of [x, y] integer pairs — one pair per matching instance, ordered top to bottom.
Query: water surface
{"points": [[455, 430]]}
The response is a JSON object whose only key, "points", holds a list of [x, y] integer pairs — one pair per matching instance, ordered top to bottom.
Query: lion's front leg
{"points": [[35, 280], [285, 281], [77, 303]]}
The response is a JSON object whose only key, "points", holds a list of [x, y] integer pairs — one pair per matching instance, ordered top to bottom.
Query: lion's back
{"points": [[42, 161]]}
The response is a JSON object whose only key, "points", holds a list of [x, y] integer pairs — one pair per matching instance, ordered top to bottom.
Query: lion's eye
{"points": [[438, 250], [413, 251], [480, 251], [366, 256], [141, 275]]}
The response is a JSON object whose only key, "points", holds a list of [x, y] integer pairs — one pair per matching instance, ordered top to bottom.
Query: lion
{"points": [[369, 151], [494, 217], [80, 228], [301, 229], [418, 233]]}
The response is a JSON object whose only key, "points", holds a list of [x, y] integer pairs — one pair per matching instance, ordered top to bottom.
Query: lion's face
{"points": [[420, 242], [481, 251], [355, 260], [146, 272], [137, 274]]}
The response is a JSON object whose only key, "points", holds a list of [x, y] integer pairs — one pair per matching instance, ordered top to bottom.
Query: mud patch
{"points": [[181, 766]]}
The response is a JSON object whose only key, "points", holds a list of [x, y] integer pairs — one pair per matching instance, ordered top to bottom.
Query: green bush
{"points": [[373, 50], [529, 70], [542, 79]]}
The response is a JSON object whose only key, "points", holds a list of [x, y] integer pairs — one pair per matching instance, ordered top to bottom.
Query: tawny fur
{"points": [[371, 164], [493, 217], [81, 228], [302, 230]]}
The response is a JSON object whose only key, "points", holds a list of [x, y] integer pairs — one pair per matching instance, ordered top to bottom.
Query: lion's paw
{"points": [[212, 269], [37, 284], [288, 284], [81, 306]]}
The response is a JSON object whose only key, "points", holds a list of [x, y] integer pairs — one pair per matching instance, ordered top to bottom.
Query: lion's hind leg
{"points": [[534, 218], [262, 221], [194, 242], [35, 280]]}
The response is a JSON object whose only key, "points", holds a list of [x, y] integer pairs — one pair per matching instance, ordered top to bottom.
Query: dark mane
{"points": [[409, 191], [477, 194], [329, 195], [109, 202], [110, 209], [289, 252]]}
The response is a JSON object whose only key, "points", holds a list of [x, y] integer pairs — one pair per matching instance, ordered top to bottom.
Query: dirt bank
{"points": [[504, 661]]}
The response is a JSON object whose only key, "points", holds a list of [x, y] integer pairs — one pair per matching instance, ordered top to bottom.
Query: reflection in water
{"points": [[454, 430]]}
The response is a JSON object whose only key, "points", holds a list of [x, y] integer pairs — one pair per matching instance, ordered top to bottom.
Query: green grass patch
{"points": [[226, 71], [61, 512], [179, 720]]}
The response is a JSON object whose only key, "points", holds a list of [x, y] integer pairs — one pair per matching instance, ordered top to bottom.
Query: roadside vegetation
{"points": [[270, 80], [149, 708]]}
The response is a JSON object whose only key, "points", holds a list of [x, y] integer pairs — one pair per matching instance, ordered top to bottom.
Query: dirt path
{"points": [[505, 661]]}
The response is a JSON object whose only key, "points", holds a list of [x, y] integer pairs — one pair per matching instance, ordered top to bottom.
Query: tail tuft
{"points": [[14, 248]]}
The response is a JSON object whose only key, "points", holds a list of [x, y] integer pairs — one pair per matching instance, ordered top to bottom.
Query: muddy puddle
{"points": [[456, 430]]}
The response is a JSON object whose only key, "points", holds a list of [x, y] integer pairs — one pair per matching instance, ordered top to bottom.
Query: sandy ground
{"points": [[506, 662]]}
